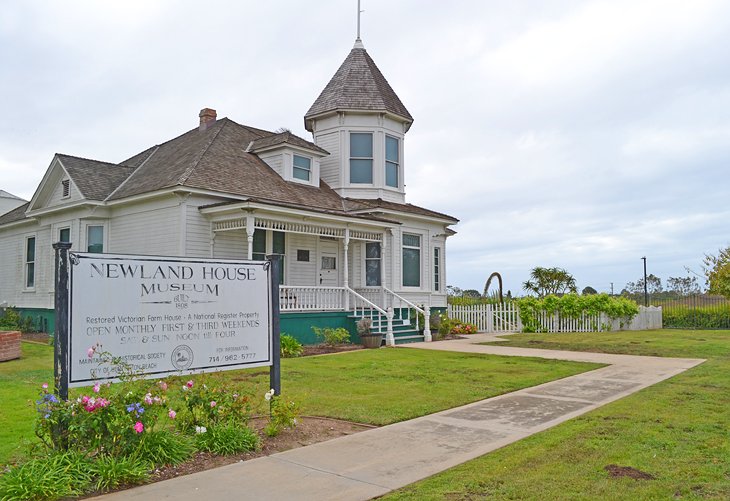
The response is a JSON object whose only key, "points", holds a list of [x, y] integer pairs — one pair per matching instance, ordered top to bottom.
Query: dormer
{"points": [[361, 121], [293, 158]]}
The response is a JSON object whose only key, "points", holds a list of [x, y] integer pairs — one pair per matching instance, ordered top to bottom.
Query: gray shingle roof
{"points": [[358, 85], [285, 137], [216, 159], [94, 179], [5, 194], [361, 204], [16, 214]]}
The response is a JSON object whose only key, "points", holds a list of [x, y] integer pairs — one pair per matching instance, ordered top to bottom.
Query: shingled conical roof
{"points": [[358, 85]]}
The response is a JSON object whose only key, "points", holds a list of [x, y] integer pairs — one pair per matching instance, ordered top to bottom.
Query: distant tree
{"points": [[717, 271], [546, 281], [653, 285], [683, 286], [452, 290], [588, 290], [471, 293]]}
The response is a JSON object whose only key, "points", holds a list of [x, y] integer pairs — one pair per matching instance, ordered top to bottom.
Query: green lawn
{"points": [[371, 386], [678, 431]]}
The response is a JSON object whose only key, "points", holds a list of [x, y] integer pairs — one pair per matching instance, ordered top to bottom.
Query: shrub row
{"points": [[573, 306], [716, 317]]}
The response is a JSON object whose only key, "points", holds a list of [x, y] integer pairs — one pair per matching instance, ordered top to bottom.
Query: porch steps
{"points": [[403, 330]]}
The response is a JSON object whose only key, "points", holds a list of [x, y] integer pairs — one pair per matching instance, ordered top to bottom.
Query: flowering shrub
{"points": [[460, 327], [208, 402], [282, 413]]}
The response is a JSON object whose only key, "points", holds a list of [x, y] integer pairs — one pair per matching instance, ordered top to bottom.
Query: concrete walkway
{"points": [[374, 462]]}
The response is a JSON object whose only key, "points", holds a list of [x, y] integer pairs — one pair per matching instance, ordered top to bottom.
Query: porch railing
{"points": [[302, 298], [402, 304], [364, 308], [402, 308]]}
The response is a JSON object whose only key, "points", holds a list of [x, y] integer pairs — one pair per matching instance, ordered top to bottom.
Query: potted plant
{"points": [[369, 339]]}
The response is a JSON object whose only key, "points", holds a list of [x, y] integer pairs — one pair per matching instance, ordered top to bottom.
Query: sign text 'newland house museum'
{"points": [[334, 208]]}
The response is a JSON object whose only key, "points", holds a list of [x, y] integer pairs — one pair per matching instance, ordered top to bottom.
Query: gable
{"points": [[51, 191]]}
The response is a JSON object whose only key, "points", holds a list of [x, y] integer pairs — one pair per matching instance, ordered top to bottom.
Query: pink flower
{"points": [[90, 352], [189, 384], [163, 385], [44, 386], [97, 387], [84, 399], [148, 399], [213, 403], [172, 414], [138, 427]]}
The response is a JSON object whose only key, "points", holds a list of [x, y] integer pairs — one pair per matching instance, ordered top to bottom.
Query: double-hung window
{"points": [[361, 157], [391, 161], [302, 168], [64, 235], [95, 239], [278, 246], [411, 260], [30, 262], [373, 264], [436, 268]]}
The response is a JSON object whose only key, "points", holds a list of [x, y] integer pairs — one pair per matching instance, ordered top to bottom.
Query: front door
{"points": [[328, 275]]}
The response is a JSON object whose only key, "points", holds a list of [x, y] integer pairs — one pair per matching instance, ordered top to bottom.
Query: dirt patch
{"points": [[616, 471]]}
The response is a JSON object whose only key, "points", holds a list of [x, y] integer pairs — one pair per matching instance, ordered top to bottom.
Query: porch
{"points": [[331, 264]]}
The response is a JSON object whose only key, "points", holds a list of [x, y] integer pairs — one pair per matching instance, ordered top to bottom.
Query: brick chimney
{"points": [[207, 117]]}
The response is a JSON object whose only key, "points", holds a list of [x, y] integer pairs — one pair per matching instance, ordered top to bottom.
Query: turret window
{"points": [[361, 158], [391, 161], [302, 168]]}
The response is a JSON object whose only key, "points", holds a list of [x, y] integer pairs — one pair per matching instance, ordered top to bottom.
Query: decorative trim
{"points": [[301, 228]]}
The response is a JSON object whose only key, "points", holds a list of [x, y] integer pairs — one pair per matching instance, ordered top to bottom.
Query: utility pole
{"points": [[612, 288], [646, 290]]}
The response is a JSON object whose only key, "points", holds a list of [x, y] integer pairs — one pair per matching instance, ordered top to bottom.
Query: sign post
{"points": [[60, 345], [275, 370]]}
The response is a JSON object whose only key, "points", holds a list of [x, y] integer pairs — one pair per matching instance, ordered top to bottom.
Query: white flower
{"points": [[269, 394], [200, 429]]}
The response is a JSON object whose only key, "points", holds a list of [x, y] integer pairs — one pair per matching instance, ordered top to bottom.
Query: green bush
{"points": [[573, 306], [716, 317], [10, 320], [332, 336], [290, 347], [283, 414], [227, 439], [163, 448], [111, 472], [55, 476]]}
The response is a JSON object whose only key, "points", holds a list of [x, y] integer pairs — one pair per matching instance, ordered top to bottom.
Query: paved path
{"points": [[374, 462]]}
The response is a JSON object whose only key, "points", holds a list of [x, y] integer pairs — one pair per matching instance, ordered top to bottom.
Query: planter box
{"points": [[371, 340], [9, 345]]}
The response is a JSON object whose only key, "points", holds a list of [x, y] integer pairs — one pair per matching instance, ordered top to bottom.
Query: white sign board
{"points": [[163, 315]]}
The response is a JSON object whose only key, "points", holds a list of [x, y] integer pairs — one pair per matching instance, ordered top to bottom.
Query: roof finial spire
{"points": [[358, 41]]}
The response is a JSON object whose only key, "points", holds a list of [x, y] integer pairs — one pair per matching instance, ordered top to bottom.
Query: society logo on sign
{"points": [[182, 357]]}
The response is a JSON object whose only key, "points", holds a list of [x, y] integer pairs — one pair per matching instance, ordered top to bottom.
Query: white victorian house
{"points": [[334, 208]]}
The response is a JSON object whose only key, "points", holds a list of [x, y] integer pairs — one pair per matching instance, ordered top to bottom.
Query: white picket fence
{"points": [[506, 318]]}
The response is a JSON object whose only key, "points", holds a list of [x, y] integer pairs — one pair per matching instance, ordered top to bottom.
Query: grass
{"points": [[369, 386], [678, 431]]}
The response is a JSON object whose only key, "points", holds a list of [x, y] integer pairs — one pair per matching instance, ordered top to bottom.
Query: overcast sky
{"points": [[579, 134]]}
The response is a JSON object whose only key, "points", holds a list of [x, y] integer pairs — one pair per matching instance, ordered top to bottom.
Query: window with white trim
{"points": [[392, 156], [361, 158], [302, 168], [64, 235], [95, 239], [278, 246], [411, 260], [30, 262], [373, 264], [436, 268]]}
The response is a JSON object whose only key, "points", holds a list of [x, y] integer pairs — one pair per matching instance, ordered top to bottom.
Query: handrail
{"points": [[426, 312], [389, 338]]}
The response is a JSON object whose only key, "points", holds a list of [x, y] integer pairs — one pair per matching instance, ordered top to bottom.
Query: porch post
{"points": [[249, 235], [383, 246], [346, 271], [427, 321], [389, 338]]}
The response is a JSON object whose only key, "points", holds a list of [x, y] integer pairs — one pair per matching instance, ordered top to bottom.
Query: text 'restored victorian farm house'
{"points": [[333, 208]]}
